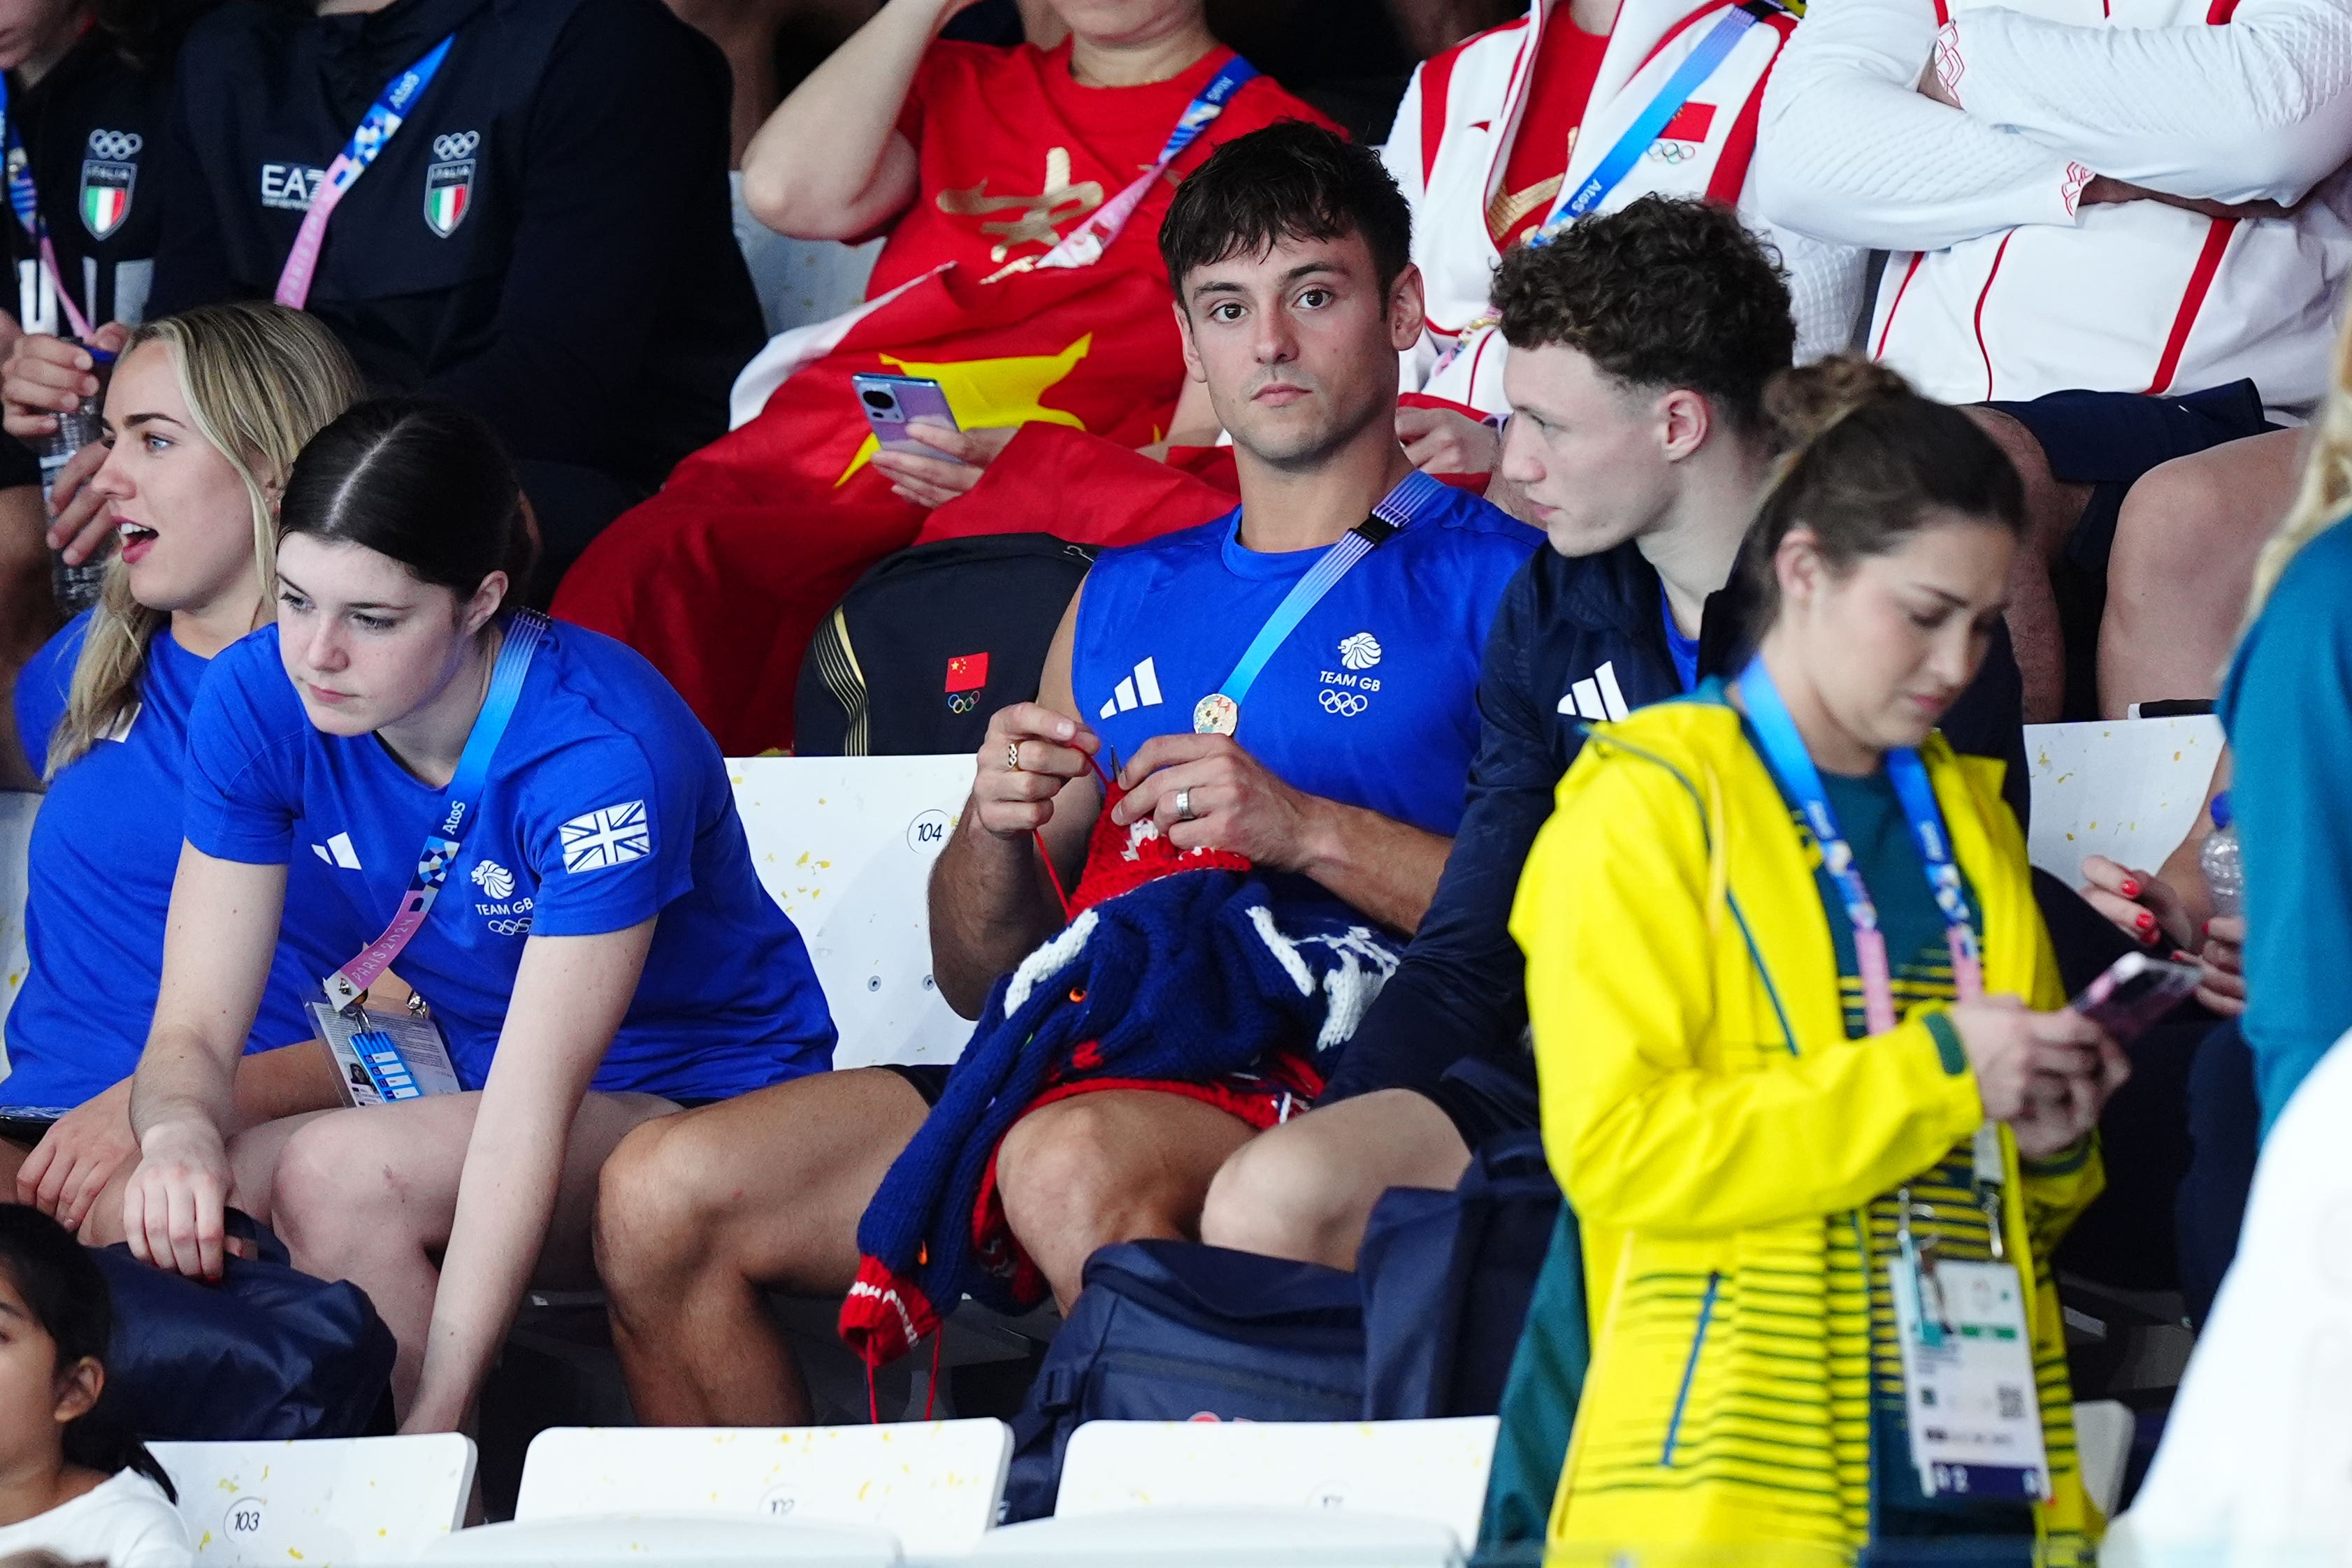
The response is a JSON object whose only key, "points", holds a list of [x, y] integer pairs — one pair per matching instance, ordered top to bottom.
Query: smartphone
{"points": [[894, 402], [2136, 992]]}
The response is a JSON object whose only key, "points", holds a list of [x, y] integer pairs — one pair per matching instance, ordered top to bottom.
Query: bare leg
{"points": [[2052, 507], [2183, 563], [27, 618], [1120, 1165], [1305, 1190], [368, 1196], [700, 1211]]}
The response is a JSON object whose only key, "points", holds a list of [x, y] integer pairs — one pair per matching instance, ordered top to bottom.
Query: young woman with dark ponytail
{"points": [[584, 920], [1801, 1046], [72, 1480]]}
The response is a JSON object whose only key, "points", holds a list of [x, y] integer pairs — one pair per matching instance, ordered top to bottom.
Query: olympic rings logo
{"points": [[459, 144], [115, 145], [1673, 151], [1347, 705], [510, 927]]}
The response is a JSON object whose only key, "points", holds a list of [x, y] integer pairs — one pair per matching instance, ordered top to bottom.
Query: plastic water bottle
{"points": [[75, 588], [2219, 860]]}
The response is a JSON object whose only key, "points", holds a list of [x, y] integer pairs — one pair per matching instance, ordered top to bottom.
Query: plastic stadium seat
{"points": [[846, 844], [2102, 1440], [1434, 1472], [933, 1486], [329, 1499], [1224, 1538], [653, 1541]]}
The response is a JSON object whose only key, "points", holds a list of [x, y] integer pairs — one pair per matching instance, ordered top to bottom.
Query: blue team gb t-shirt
{"points": [[1371, 701], [607, 804], [105, 847]]}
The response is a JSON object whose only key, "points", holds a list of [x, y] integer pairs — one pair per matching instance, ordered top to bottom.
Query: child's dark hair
{"points": [[1291, 181], [1665, 292], [1863, 460], [425, 482], [62, 1287]]}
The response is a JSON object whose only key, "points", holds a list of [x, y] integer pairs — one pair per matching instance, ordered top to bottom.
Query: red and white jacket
{"points": [[1453, 140], [2000, 284]]}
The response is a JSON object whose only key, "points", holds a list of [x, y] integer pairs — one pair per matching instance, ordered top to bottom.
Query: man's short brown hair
{"points": [[1665, 292]]}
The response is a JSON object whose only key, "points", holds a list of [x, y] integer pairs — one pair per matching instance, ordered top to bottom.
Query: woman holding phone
{"points": [[204, 417], [582, 920], [1805, 1077]]}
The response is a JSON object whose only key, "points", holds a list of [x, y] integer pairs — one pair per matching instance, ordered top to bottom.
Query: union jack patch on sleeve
{"points": [[614, 836]]}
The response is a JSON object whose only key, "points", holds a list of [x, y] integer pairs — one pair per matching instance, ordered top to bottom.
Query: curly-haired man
{"points": [[1641, 341]]}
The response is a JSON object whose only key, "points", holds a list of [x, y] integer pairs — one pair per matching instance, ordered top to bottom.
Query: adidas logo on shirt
{"points": [[1139, 690], [1596, 696], [338, 850]]}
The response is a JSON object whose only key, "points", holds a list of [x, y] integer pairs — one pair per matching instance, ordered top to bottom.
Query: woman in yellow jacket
{"points": [[1786, 1090]]}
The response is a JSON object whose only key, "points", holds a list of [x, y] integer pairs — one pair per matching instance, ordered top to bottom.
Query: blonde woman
{"points": [[205, 415], [2287, 706]]}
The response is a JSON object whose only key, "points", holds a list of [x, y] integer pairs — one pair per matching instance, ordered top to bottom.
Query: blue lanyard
{"points": [[1202, 111], [377, 126], [1619, 160], [1086, 243], [1397, 509], [525, 630], [1792, 765]]}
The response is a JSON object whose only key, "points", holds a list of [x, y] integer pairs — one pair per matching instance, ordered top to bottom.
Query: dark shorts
{"points": [[2108, 441], [928, 1079], [1482, 1098]]}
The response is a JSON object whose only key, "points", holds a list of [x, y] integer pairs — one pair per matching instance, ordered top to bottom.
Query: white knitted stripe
{"points": [[1048, 962]]}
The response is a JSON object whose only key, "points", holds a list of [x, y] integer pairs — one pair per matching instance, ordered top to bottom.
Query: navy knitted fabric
{"points": [[1188, 978]]}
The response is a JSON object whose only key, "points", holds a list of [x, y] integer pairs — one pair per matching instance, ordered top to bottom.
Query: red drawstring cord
{"points": [[930, 1394]]}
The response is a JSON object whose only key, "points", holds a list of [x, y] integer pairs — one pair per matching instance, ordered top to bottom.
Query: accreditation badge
{"points": [[1968, 1380]]}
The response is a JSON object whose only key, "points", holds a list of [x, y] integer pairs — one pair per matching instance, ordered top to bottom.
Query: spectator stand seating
{"points": [[934, 1486], [1407, 1492], [324, 1501]]}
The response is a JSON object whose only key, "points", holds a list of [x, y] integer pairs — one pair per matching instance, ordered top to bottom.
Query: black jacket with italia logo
{"points": [[92, 127], [546, 239]]}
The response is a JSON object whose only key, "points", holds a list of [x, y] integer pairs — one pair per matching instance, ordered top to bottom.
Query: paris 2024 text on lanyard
{"points": [[1969, 1389]]}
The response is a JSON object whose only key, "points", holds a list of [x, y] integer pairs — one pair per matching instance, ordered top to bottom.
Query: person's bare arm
{"points": [[830, 162], [1382, 868], [991, 901], [217, 943], [570, 996], [83, 1150]]}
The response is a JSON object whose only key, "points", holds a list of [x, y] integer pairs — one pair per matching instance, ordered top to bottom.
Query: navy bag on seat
{"points": [[1445, 1278], [1169, 1330], [268, 1352]]}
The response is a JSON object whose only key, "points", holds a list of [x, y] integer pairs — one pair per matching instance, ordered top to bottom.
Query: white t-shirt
{"points": [[125, 1522]]}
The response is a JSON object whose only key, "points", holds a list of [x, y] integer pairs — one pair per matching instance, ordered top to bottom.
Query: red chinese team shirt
{"points": [[1568, 62], [1015, 153]]}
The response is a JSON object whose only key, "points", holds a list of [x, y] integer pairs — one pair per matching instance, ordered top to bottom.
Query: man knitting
{"points": [[1292, 686]]}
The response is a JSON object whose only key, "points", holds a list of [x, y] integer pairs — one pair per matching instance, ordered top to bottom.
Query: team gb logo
{"points": [[1361, 652], [493, 879]]}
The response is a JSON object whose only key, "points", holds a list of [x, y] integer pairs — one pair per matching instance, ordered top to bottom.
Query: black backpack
{"points": [[931, 641]]}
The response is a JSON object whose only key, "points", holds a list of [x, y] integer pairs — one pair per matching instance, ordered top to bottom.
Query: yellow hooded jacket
{"points": [[1717, 1132]]}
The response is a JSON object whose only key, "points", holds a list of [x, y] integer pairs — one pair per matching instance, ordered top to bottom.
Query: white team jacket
{"points": [[1452, 138], [1998, 286]]}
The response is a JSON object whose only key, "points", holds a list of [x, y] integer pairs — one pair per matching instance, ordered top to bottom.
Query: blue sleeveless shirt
{"points": [[1372, 702]]}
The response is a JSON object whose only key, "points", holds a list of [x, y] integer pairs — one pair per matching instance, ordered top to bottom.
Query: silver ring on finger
{"points": [[1013, 757], [1184, 812]]}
